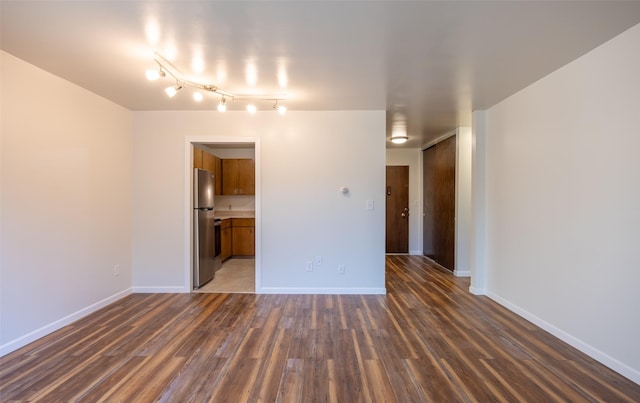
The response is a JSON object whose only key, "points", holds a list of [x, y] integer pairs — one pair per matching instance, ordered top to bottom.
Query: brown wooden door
{"points": [[428, 202], [439, 202], [445, 202], [397, 209]]}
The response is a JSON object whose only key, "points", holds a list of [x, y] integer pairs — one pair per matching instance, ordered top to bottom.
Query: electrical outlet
{"points": [[318, 260], [309, 265], [341, 269], [116, 270]]}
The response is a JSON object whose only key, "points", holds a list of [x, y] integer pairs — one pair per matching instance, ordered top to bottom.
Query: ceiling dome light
{"points": [[197, 96], [222, 106], [251, 108], [399, 130], [399, 139]]}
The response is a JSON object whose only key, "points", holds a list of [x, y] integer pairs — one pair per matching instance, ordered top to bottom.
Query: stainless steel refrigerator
{"points": [[204, 233]]}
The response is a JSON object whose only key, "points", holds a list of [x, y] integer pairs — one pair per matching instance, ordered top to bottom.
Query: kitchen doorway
{"points": [[236, 195]]}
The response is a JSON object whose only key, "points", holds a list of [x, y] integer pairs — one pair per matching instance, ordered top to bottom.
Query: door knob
{"points": [[403, 215]]}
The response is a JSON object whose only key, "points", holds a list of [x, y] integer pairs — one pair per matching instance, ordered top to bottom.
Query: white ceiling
{"points": [[433, 61]]}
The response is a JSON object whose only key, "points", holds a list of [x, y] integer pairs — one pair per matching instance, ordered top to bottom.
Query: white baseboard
{"points": [[415, 252], [462, 273], [160, 290], [324, 291], [477, 291], [59, 324], [620, 367]]}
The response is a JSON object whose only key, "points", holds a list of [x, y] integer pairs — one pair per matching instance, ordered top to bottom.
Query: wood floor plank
{"points": [[428, 339]]}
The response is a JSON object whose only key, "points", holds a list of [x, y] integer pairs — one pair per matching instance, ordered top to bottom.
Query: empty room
{"points": [[319, 201]]}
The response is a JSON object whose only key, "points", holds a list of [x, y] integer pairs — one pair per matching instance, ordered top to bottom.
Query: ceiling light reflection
{"points": [[151, 31], [251, 74], [283, 79]]}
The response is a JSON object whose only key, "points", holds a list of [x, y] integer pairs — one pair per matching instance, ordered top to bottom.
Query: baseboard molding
{"points": [[415, 252], [462, 273], [160, 290], [324, 291], [477, 291], [59, 324], [620, 367]]}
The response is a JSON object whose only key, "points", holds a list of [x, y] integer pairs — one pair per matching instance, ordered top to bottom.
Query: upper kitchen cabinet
{"points": [[197, 158], [205, 160], [217, 166], [238, 177]]}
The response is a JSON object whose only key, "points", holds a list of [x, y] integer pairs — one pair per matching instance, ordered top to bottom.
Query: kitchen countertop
{"points": [[235, 214]]}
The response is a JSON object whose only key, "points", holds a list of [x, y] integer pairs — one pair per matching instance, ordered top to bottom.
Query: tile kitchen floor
{"points": [[235, 276]]}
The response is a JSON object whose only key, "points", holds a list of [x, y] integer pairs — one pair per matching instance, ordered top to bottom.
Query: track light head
{"points": [[153, 74], [173, 90], [222, 106], [280, 108]]}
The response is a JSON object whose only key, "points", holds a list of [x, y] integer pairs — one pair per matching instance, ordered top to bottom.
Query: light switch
{"points": [[369, 205]]}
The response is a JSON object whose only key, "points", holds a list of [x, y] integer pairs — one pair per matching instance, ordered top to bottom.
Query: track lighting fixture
{"points": [[165, 68], [222, 106]]}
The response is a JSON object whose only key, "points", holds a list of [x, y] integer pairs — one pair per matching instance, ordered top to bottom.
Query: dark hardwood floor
{"points": [[428, 339]]}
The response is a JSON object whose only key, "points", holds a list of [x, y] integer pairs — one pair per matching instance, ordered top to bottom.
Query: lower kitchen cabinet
{"points": [[244, 237], [226, 239]]}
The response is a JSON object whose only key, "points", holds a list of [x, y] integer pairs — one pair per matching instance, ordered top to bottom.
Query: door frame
{"points": [[188, 202]]}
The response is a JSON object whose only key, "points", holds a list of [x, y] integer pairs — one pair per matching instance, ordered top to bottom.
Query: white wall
{"points": [[411, 157], [304, 158], [66, 202], [463, 202], [563, 202], [478, 204]]}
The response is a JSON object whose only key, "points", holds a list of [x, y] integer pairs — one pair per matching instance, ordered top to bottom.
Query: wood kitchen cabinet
{"points": [[197, 158], [205, 160], [217, 166], [238, 176], [244, 237], [225, 239]]}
